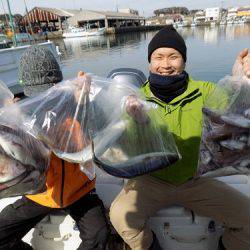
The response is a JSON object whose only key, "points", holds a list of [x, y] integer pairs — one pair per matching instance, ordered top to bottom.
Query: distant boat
{"points": [[230, 21], [241, 21], [223, 22], [212, 23], [180, 24], [193, 24], [83, 32], [24, 37], [21, 38], [4, 41]]}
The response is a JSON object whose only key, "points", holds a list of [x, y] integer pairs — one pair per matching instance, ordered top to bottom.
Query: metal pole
{"points": [[28, 18], [6, 19], [12, 25]]}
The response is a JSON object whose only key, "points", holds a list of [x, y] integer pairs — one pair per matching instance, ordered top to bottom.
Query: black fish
{"points": [[23, 163], [139, 165]]}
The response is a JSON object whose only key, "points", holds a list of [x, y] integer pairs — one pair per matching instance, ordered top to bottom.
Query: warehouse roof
{"points": [[60, 12], [48, 14], [90, 15]]}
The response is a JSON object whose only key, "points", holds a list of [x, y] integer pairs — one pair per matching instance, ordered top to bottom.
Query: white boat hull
{"points": [[181, 24], [99, 32], [9, 60], [176, 227]]}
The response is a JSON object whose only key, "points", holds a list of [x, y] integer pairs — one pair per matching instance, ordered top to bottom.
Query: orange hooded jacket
{"points": [[65, 182]]}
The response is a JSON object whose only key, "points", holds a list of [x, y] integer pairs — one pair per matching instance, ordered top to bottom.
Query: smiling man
{"points": [[179, 99]]}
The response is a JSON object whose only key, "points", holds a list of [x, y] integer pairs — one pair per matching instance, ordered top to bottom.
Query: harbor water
{"points": [[211, 51]]}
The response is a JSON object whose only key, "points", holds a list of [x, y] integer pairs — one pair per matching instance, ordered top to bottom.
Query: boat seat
{"points": [[108, 187], [176, 227]]}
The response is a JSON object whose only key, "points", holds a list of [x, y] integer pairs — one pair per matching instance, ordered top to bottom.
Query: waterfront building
{"points": [[172, 10], [129, 11], [243, 12], [232, 13], [213, 14], [200, 17], [51, 18], [107, 19], [164, 20], [154, 21]]}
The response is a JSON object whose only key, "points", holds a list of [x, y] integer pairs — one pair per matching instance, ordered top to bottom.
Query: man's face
{"points": [[166, 62]]}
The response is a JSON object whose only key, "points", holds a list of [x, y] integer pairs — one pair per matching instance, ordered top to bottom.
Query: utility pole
{"points": [[222, 4], [116, 5], [27, 14], [6, 19], [12, 25]]}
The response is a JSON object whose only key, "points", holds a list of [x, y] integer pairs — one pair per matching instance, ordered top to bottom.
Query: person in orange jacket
{"points": [[67, 187]]}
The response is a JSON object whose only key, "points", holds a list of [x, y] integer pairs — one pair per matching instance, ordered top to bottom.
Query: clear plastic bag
{"points": [[5, 94], [67, 118], [85, 119], [128, 146], [225, 146], [139, 149], [23, 159]]}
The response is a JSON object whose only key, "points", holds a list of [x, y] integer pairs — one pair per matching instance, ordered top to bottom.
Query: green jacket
{"points": [[183, 116]]}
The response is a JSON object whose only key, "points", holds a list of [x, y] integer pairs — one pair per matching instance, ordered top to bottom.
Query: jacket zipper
{"points": [[168, 108], [62, 187]]}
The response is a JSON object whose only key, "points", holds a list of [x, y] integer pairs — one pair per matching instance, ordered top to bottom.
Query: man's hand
{"points": [[242, 64], [246, 64], [8, 102], [135, 109]]}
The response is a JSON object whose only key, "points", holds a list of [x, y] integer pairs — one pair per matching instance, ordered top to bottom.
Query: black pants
{"points": [[17, 219]]}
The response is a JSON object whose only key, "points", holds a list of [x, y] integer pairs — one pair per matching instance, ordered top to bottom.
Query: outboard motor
{"points": [[125, 75]]}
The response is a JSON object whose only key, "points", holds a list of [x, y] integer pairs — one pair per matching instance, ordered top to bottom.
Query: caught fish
{"points": [[247, 113], [213, 116], [236, 120], [225, 140], [102, 142], [233, 144], [22, 147], [205, 156], [23, 162], [138, 165], [9, 168], [224, 171], [31, 182]]}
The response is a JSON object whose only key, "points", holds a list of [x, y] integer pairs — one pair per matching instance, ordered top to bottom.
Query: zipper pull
{"points": [[168, 109]]}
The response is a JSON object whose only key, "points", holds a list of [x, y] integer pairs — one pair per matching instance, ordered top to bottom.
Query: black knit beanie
{"points": [[168, 37], [38, 70]]}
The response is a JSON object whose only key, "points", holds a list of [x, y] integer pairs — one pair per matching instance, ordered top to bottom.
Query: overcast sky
{"points": [[145, 7]]}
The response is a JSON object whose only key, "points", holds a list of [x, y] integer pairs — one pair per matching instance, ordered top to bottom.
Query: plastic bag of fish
{"points": [[65, 116], [85, 119], [123, 146], [225, 146], [136, 149], [23, 159]]}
